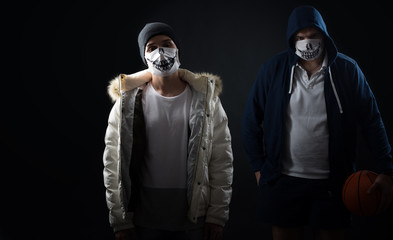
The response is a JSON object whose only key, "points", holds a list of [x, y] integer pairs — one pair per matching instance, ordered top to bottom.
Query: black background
{"points": [[57, 107]]}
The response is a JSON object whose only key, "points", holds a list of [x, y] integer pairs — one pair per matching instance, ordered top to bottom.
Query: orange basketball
{"points": [[355, 196]]}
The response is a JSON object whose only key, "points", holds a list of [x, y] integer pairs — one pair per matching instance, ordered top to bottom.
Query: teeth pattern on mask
{"points": [[309, 54], [164, 65]]}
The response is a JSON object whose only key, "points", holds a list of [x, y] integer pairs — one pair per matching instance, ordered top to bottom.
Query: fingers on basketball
{"points": [[355, 194]]}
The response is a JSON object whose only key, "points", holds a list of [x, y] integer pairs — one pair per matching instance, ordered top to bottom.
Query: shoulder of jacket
{"points": [[342, 58], [277, 61], [200, 81], [125, 82]]}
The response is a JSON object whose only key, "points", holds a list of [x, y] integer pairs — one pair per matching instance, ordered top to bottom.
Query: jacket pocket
{"points": [[204, 200]]}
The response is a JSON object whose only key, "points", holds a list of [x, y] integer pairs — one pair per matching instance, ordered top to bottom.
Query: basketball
{"points": [[355, 196]]}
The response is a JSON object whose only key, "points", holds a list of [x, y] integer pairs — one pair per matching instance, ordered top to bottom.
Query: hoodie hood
{"points": [[307, 16], [197, 81]]}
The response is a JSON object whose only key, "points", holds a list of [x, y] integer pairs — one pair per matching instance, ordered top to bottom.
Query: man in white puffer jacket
{"points": [[168, 157]]}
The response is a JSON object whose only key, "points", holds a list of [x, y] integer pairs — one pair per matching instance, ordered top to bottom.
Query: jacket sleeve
{"points": [[371, 123], [252, 129], [220, 169], [117, 218]]}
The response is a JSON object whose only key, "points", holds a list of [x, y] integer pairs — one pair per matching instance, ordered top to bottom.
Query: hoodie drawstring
{"points": [[291, 79], [331, 82], [335, 91]]}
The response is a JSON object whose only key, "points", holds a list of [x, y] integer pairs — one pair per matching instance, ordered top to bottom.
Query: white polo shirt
{"points": [[307, 137]]}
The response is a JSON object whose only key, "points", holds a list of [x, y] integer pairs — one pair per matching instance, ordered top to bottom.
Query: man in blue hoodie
{"points": [[300, 132]]}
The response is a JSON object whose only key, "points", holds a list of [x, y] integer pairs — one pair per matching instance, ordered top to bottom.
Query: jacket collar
{"points": [[198, 81]]}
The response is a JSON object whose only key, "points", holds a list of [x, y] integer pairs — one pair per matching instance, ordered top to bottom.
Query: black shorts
{"points": [[295, 202]]}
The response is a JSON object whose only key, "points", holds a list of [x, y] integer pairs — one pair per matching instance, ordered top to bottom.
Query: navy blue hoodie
{"points": [[349, 103]]}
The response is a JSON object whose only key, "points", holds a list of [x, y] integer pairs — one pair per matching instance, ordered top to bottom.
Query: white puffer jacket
{"points": [[209, 163]]}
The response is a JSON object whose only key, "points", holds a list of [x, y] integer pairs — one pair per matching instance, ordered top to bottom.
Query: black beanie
{"points": [[150, 30]]}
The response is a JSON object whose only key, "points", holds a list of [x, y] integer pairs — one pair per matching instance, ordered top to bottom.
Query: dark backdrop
{"points": [[57, 109]]}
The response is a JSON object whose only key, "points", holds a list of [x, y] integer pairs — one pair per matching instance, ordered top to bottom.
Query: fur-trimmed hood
{"points": [[128, 82]]}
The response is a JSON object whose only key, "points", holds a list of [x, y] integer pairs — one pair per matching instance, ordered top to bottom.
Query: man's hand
{"points": [[258, 176], [385, 185], [213, 231], [126, 234]]}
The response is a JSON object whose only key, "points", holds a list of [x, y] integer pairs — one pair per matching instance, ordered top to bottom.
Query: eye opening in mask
{"points": [[311, 32], [153, 45], [161, 52]]}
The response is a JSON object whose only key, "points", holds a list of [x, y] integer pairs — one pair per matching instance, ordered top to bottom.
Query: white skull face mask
{"points": [[308, 49], [163, 61]]}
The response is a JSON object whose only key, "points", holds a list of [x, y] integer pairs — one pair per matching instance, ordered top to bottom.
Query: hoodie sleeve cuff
{"points": [[210, 219], [123, 227]]}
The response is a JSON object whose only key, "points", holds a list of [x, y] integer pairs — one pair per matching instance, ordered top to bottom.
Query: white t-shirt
{"points": [[166, 121], [307, 136], [163, 195]]}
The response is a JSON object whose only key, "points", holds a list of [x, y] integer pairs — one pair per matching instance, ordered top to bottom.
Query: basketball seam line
{"points": [[369, 178], [360, 205]]}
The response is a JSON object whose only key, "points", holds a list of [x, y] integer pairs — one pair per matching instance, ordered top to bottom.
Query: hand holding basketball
{"points": [[384, 184], [366, 193], [355, 194]]}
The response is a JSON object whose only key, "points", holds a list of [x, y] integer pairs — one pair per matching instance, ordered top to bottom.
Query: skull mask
{"points": [[308, 49], [163, 61]]}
